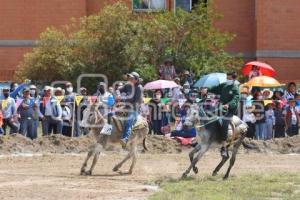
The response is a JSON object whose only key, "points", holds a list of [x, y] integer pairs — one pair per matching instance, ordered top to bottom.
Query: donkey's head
{"points": [[192, 118]]}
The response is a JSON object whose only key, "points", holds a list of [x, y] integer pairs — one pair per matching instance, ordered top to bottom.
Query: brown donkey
{"points": [[93, 118]]}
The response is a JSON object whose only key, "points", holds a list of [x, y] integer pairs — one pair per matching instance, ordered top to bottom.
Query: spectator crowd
{"points": [[24, 109]]}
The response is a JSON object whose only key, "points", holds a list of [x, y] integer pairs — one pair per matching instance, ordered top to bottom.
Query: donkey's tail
{"points": [[145, 144], [250, 146]]}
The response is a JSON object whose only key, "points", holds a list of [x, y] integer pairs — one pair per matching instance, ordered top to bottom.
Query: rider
{"points": [[134, 95], [229, 99]]}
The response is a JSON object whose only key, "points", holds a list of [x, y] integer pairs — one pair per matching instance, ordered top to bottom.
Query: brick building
{"points": [[266, 30]]}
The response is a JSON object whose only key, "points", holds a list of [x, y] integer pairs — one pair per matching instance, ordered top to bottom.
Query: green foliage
{"points": [[117, 41]]}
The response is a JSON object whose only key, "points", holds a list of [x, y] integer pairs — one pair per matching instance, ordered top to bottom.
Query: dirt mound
{"points": [[60, 144], [156, 144], [162, 144], [278, 145]]}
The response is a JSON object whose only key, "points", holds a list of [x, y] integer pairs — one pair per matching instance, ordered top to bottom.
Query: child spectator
{"points": [[259, 113], [291, 118], [279, 120], [270, 121]]}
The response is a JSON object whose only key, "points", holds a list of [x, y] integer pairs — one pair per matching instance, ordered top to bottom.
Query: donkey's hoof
{"points": [[115, 169], [195, 169], [82, 172], [88, 173], [214, 174], [184, 176], [225, 178]]}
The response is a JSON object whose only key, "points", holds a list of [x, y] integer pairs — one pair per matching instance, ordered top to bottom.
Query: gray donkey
{"points": [[93, 119], [209, 134]]}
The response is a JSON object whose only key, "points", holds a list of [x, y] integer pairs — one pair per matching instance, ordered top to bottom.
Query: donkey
{"points": [[93, 119], [209, 134]]}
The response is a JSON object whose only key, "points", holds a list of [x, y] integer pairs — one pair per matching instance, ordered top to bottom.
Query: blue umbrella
{"points": [[211, 80]]}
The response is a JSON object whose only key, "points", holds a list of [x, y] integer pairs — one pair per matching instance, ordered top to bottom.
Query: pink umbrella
{"points": [[264, 68], [160, 84]]}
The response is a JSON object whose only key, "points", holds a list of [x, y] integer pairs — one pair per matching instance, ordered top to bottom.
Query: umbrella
{"points": [[264, 68], [211, 80], [263, 81], [160, 84]]}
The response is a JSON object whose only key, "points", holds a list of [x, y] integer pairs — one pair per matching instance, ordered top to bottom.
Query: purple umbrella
{"points": [[160, 84]]}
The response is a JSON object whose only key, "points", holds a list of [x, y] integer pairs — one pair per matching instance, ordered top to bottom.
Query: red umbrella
{"points": [[265, 69]]}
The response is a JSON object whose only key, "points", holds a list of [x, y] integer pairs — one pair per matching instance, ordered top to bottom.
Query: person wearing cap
{"points": [[167, 70], [186, 78], [102, 92], [35, 95], [133, 99], [229, 100], [27, 110], [9, 112], [50, 113], [292, 118]]}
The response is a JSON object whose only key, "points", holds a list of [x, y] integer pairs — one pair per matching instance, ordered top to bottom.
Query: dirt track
{"points": [[56, 176]]}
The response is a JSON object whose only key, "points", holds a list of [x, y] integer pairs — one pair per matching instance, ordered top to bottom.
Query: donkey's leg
{"points": [[202, 149], [97, 151], [89, 155], [134, 155], [232, 160], [223, 161], [119, 165]]}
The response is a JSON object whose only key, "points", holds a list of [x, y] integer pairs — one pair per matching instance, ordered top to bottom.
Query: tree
{"points": [[117, 41]]}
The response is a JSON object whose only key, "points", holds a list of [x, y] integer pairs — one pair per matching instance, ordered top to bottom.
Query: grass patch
{"points": [[247, 187]]}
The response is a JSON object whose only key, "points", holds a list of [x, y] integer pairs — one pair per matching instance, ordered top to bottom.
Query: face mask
{"points": [[70, 89], [186, 91], [32, 92], [5, 95], [158, 96], [244, 96], [260, 97]]}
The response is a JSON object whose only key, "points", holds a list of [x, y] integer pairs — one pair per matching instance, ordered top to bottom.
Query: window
{"points": [[184, 4], [146, 5]]}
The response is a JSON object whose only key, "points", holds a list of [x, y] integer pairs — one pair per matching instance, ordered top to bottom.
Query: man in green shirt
{"points": [[229, 101]]}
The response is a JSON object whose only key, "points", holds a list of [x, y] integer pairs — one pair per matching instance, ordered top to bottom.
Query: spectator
{"points": [[167, 71], [254, 72], [186, 78], [291, 91], [267, 94], [278, 95], [36, 98], [298, 103], [83, 105], [9, 111], [26, 111], [51, 113], [259, 113], [157, 116], [291, 118], [250, 119], [279, 120], [270, 121], [1, 123]]}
